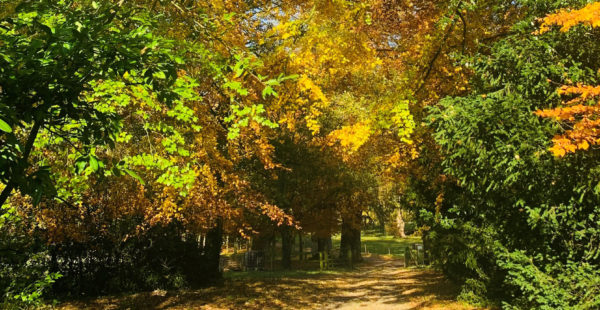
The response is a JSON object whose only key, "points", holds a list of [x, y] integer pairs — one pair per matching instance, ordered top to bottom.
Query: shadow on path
{"points": [[375, 284]]}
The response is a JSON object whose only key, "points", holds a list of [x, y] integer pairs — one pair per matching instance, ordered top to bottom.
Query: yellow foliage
{"points": [[316, 94], [319, 102], [404, 121], [352, 137]]}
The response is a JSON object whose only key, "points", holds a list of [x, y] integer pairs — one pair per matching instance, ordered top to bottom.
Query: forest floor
{"points": [[380, 282]]}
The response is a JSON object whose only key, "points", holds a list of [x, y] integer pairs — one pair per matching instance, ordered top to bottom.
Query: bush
{"points": [[160, 258], [24, 276]]}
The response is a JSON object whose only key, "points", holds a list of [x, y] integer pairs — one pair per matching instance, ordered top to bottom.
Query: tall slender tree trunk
{"points": [[381, 220], [400, 224], [287, 241], [261, 242], [350, 243], [322, 245], [300, 246], [314, 246], [212, 250]]}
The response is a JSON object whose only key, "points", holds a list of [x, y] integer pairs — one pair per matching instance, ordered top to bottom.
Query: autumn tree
{"points": [[174, 163]]}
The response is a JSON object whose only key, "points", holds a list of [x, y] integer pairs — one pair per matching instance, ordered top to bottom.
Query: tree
{"points": [[52, 54], [185, 152], [513, 223]]}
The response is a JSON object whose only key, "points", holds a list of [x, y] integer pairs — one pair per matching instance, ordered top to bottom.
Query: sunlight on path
{"points": [[377, 284], [386, 285]]}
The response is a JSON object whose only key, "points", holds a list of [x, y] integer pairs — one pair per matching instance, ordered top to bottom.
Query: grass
{"points": [[382, 245]]}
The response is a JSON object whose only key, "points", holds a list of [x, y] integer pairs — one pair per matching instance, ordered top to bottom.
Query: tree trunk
{"points": [[22, 165], [381, 220], [400, 224], [287, 241], [261, 242], [272, 242], [350, 243], [300, 245], [323, 245], [314, 246], [212, 250]]}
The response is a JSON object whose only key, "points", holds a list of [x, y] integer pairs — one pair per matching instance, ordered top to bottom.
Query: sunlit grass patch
{"points": [[386, 246]]}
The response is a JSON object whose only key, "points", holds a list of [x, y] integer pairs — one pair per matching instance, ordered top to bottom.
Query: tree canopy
{"points": [[139, 137]]}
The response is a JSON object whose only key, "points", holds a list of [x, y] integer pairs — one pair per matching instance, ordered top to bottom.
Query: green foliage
{"points": [[52, 53], [64, 72], [92, 94], [241, 117], [5, 127], [516, 224], [23, 275], [568, 285], [473, 292], [32, 294]]}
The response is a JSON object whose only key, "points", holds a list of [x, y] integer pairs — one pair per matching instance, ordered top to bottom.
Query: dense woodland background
{"points": [[138, 137]]}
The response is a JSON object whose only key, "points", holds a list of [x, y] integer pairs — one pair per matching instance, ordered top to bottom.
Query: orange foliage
{"points": [[567, 19], [585, 118]]}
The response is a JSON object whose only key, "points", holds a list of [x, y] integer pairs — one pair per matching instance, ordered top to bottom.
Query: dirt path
{"points": [[377, 284]]}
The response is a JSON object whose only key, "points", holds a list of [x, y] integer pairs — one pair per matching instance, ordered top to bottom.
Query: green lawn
{"points": [[382, 245]]}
